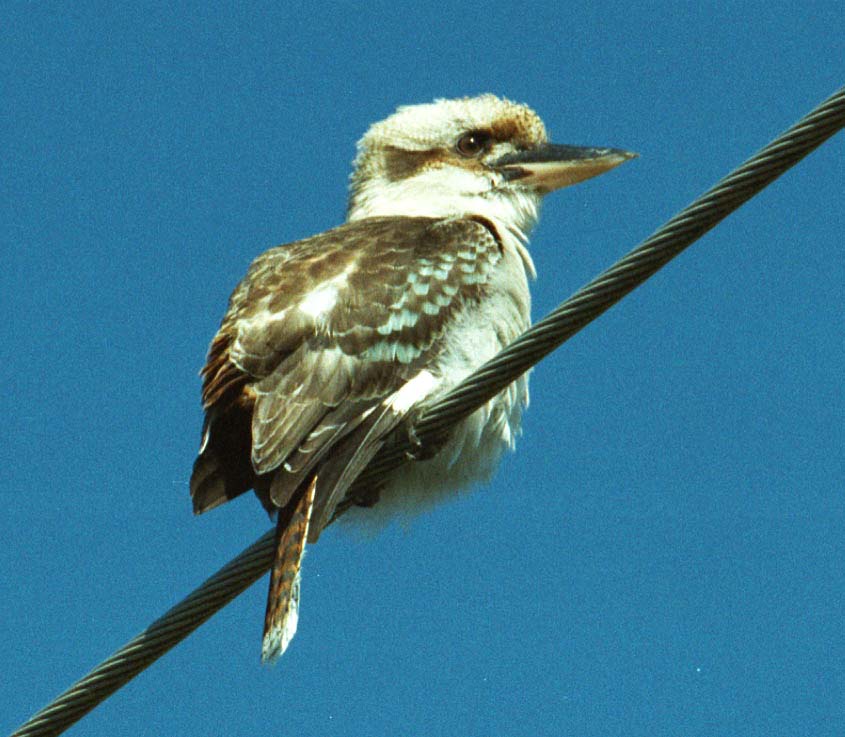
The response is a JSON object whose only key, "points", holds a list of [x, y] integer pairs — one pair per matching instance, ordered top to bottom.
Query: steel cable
{"points": [[625, 275], [538, 341]]}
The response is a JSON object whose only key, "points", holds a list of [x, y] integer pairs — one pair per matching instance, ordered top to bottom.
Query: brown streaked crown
{"points": [[418, 137]]}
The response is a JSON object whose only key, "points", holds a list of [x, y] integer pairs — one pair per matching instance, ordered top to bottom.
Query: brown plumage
{"points": [[331, 342], [300, 376]]}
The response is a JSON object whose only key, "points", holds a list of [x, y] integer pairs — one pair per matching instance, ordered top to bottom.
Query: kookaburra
{"points": [[332, 342]]}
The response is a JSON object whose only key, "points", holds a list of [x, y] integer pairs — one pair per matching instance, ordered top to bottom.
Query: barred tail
{"points": [[283, 598]]}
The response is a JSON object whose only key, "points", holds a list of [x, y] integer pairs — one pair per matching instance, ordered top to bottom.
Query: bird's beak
{"points": [[549, 166]]}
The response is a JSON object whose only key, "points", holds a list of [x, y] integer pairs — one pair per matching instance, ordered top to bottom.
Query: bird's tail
{"points": [[283, 598]]}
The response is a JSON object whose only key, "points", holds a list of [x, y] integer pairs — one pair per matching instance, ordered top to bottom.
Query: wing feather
{"points": [[319, 338], [360, 448]]}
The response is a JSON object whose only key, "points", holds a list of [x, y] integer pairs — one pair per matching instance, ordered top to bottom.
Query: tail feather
{"points": [[222, 470], [208, 484], [282, 613]]}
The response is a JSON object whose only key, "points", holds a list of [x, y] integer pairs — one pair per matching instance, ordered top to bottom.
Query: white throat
{"points": [[442, 193]]}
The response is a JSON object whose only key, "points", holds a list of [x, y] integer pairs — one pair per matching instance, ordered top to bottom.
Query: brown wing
{"points": [[319, 335]]}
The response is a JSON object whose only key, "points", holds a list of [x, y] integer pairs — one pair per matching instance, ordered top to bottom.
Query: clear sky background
{"points": [[664, 554]]}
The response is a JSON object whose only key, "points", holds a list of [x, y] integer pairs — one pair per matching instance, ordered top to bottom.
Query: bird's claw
{"points": [[419, 450]]}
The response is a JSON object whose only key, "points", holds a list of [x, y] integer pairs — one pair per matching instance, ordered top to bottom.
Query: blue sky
{"points": [[664, 553]]}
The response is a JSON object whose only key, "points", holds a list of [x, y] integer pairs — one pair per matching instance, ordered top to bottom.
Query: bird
{"points": [[333, 344]]}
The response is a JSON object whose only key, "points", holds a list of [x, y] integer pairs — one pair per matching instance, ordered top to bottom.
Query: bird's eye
{"points": [[473, 143]]}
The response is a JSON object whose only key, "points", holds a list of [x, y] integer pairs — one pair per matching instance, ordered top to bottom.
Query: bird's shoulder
{"points": [[362, 254], [380, 288]]}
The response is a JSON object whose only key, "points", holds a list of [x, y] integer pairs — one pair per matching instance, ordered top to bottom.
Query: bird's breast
{"points": [[475, 446]]}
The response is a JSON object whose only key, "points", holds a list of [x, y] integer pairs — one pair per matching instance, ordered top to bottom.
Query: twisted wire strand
{"points": [[633, 269], [623, 277], [538, 341], [147, 647]]}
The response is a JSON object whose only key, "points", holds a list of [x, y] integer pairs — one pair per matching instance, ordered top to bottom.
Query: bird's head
{"points": [[472, 156]]}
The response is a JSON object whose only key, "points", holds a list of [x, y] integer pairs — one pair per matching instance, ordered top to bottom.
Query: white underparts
{"points": [[447, 191], [476, 444]]}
